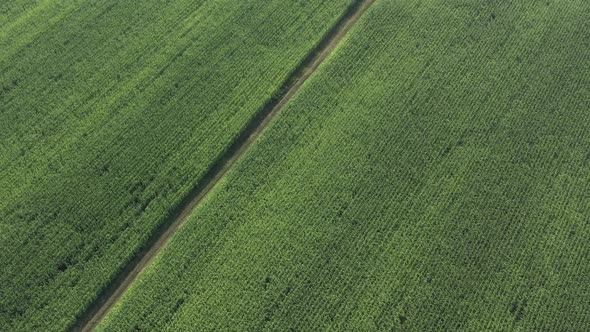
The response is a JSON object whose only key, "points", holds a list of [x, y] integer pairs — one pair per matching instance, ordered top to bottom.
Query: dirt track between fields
{"points": [[247, 138]]}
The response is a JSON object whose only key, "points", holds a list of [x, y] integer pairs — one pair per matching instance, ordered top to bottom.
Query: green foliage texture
{"points": [[110, 113], [433, 175]]}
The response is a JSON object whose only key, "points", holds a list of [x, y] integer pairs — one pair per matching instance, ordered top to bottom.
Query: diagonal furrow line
{"points": [[245, 140]]}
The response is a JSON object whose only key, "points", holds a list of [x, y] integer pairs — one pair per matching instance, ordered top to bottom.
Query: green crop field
{"points": [[110, 113], [433, 175]]}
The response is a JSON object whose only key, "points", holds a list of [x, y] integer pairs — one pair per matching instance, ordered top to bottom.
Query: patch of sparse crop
{"points": [[432, 175]]}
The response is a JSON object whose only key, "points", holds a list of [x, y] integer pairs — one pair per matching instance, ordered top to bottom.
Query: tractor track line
{"points": [[162, 236]]}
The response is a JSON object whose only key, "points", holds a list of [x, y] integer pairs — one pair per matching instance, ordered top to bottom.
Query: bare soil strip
{"points": [[255, 128]]}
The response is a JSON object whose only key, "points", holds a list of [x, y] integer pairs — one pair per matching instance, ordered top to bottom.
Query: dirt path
{"points": [[125, 279]]}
